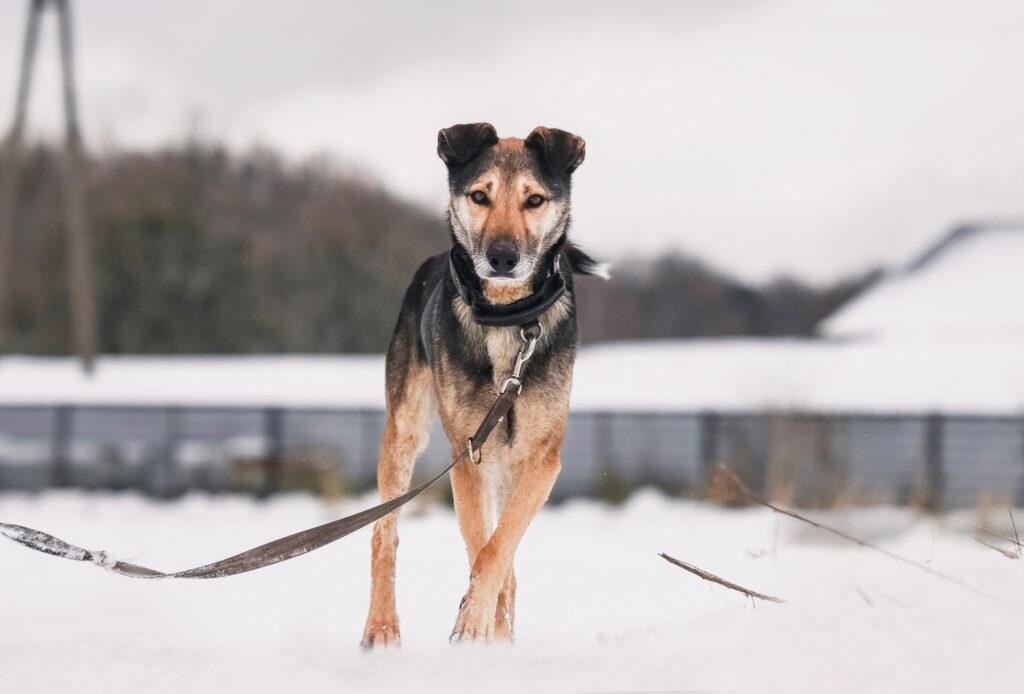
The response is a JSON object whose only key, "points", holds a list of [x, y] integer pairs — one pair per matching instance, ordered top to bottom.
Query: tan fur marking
{"points": [[510, 144], [505, 292], [505, 612]]}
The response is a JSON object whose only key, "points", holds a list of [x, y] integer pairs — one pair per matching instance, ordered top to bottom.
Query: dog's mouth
{"points": [[521, 273]]}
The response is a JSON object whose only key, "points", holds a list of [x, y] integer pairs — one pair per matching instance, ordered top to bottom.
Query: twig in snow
{"points": [[745, 491], [979, 528], [1016, 537], [1015, 551], [1008, 553], [719, 580], [865, 597]]}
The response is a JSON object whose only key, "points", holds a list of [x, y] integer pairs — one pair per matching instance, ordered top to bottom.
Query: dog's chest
{"points": [[502, 349]]}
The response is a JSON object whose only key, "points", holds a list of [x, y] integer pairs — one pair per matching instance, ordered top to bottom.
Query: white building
{"points": [[967, 288]]}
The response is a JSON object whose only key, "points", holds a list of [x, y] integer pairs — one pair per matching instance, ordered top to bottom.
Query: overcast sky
{"points": [[767, 137]]}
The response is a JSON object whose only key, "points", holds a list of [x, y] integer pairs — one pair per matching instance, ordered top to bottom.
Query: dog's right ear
{"points": [[460, 143]]}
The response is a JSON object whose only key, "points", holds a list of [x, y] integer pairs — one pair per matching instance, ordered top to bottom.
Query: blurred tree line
{"points": [[200, 251], [677, 296]]}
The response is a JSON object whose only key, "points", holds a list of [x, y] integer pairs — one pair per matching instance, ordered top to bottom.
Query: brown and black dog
{"points": [[455, 343]]}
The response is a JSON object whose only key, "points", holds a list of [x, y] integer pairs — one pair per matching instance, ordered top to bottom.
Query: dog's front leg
{"points": [[490, 569]]}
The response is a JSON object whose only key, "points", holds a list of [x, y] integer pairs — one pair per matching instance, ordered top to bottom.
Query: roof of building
{"points": [[968, 287]]}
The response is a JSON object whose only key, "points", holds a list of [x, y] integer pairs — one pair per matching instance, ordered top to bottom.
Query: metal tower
{"points": [[80, 279]]}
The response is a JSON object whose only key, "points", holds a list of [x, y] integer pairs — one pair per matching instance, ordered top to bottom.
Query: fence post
{"points": [[707, 423], [273, 434], [369, 440], [61, 445], [164, 478], [934, 479], [831, 482], [1020, 492]]}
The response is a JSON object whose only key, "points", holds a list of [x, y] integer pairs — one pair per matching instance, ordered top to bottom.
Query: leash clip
{"points": [[529, 335]]}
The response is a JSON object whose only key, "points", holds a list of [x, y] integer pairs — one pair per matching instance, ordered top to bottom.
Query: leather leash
{"points": [[305, 541]]}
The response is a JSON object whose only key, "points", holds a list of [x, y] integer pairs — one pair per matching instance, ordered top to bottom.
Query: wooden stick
{"points": [[745, 491], [1016, 537], [1008, 553], [719, 580], [865, 597]]}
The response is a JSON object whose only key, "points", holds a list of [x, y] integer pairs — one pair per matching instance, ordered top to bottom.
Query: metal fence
{"points": [[936, 461]]}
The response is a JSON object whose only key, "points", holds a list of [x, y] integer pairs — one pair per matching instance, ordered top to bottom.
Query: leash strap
{"points": [[299, 543], [274, 552]]}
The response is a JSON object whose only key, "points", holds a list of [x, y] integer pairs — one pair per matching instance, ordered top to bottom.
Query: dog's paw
{"points": [[474, 623], [381, 634]]}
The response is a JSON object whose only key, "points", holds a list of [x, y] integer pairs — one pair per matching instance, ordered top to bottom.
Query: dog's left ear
{"points": [[562, 151]]}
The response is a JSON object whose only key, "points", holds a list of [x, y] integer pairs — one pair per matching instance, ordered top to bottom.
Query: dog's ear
{"points": [[460, 143], [562, 151]]}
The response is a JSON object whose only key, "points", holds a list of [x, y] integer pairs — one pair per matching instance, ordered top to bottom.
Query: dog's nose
{"points": [[503, 257]]}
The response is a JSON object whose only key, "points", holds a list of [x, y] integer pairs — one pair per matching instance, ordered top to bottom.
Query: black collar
{"points": [[548, 287]]}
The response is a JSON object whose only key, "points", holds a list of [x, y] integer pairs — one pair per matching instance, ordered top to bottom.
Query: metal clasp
{"points": [[529, 336], [469, 448]]}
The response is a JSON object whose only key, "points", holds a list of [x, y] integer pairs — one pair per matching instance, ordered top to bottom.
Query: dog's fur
{"points": [[440, 360]]}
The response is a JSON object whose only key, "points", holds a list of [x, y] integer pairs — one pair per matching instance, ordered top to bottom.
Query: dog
{"points": [[455, 344]]}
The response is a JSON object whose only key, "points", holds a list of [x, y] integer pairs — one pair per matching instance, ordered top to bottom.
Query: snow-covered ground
{"points": [[598, 609]]}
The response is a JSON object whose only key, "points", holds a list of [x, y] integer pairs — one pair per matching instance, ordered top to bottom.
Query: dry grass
{"points": [[743, 491], [1014, 551]]}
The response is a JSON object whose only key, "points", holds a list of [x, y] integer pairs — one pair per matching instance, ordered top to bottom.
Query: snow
{"points": [[968, 289], [803, 375], [950, 376], [351, 381], [598, 610]]}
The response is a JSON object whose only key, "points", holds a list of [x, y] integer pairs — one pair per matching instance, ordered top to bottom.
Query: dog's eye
{"points": [[479, 197], [535, 201]]}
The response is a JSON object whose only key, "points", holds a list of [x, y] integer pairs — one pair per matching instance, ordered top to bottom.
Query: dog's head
{"points": [[509, 197]]}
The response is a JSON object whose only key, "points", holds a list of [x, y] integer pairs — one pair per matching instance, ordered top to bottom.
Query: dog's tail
{"points": [[583, 264]]}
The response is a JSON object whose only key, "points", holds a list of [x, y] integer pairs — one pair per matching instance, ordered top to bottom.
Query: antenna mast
{"points": [[80, 278]]}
